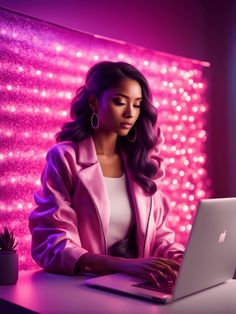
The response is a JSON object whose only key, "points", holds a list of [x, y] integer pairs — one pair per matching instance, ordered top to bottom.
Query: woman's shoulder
{"points": [[63, 148], [72, 151]]}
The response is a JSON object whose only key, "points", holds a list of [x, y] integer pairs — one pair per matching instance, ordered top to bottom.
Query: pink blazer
{"points": [[72, 216]]}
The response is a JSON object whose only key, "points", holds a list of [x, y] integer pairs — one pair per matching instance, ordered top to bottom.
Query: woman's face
{"points": [[119, 108]]}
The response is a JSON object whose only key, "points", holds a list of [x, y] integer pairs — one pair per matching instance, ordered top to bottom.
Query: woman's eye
{"points": [[119, 102]]}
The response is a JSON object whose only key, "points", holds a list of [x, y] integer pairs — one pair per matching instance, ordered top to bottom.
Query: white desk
{"points": [[50, 293]]}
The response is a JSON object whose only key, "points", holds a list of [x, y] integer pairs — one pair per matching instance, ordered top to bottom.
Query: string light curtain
{"points": [[41, 67]]}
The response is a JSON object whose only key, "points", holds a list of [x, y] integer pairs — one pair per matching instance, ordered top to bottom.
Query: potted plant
{"points": [[8, 258]]}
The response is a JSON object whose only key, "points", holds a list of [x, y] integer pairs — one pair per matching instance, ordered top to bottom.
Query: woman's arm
{"points": [[56, 244], [98, 263]]}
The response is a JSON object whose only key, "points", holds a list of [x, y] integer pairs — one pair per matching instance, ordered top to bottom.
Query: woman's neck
{"points": [[105, 143]]}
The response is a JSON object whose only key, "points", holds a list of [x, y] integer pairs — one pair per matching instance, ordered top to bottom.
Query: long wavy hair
{"points": [[101, 77]]}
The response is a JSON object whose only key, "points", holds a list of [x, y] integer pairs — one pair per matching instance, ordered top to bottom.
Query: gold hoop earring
{"points": [[96, 124], [134, 137]]}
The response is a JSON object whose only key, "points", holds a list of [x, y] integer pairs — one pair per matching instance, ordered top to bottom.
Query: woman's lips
{"points": [[126, 125]]}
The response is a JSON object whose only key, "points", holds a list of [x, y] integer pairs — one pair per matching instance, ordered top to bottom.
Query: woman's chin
{"points": [[123, 132]]}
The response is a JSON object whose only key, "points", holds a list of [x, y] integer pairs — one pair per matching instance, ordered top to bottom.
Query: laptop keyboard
{"points": [[165, 288]]}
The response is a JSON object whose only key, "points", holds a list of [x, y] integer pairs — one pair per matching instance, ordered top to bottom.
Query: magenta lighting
{"points": [[41, 67]]}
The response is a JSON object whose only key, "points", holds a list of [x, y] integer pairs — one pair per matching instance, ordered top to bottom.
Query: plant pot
{"points": [[8, 268]]}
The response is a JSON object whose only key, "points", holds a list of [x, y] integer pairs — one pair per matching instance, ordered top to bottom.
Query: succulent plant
{"points": [[8, 242]]}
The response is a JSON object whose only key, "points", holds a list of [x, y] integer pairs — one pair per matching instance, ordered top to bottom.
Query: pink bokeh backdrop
{"points": [[41, 67]]}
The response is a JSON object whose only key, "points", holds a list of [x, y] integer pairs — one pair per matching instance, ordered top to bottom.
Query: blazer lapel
{"points": [[92, 177], [142, 208]]}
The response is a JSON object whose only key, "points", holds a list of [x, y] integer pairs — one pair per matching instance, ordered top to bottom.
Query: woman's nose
{"points": [[129, 111]]}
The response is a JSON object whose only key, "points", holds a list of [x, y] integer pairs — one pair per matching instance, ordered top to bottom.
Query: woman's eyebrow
{"points": [[125, 96]]}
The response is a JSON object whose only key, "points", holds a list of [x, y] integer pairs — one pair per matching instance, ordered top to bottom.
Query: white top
{"points": [[120, 209]]}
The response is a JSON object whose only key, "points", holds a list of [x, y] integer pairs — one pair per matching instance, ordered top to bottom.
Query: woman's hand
{"points": [[158, 270]]}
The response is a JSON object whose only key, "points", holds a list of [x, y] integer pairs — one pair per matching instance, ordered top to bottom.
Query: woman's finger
{"points": [[170, 262], [167, 269], [167, 273], [172, 273], [160, 277], [153, 279]]}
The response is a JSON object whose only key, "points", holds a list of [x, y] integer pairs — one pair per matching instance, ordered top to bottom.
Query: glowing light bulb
{"points": [[79, 54], [120, 56], [174, 68], [163, 70], [190, 81], [200, 85], [9, 87], [164, 102], [203, 108], [64, 113], [201, 159], [186, 162], [185, 208], [189, 227]]}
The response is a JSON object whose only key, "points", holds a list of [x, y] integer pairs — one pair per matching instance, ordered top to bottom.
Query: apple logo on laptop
{"points": [[222, 237]]}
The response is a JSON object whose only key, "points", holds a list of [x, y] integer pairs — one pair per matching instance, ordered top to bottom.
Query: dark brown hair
{"points": [[101, 77]]}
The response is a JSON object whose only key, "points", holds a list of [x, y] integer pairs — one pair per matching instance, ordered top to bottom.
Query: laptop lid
{"points": [[210, 256]]}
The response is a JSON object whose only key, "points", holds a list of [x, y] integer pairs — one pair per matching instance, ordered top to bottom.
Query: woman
{"points": [[101, 208]]}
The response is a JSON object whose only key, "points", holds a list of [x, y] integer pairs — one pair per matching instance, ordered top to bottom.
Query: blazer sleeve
{"points": [[56, 244], [164, 244]]}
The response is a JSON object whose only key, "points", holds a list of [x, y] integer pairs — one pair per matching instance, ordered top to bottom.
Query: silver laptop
{"points": [[209, 258]]}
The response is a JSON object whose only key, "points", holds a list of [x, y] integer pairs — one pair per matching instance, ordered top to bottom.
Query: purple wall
{"points": [[171, 26], [195, 29], [220, 51]]}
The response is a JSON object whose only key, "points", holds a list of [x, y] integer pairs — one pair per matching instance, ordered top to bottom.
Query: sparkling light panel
{"points": [[41, 67]]}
